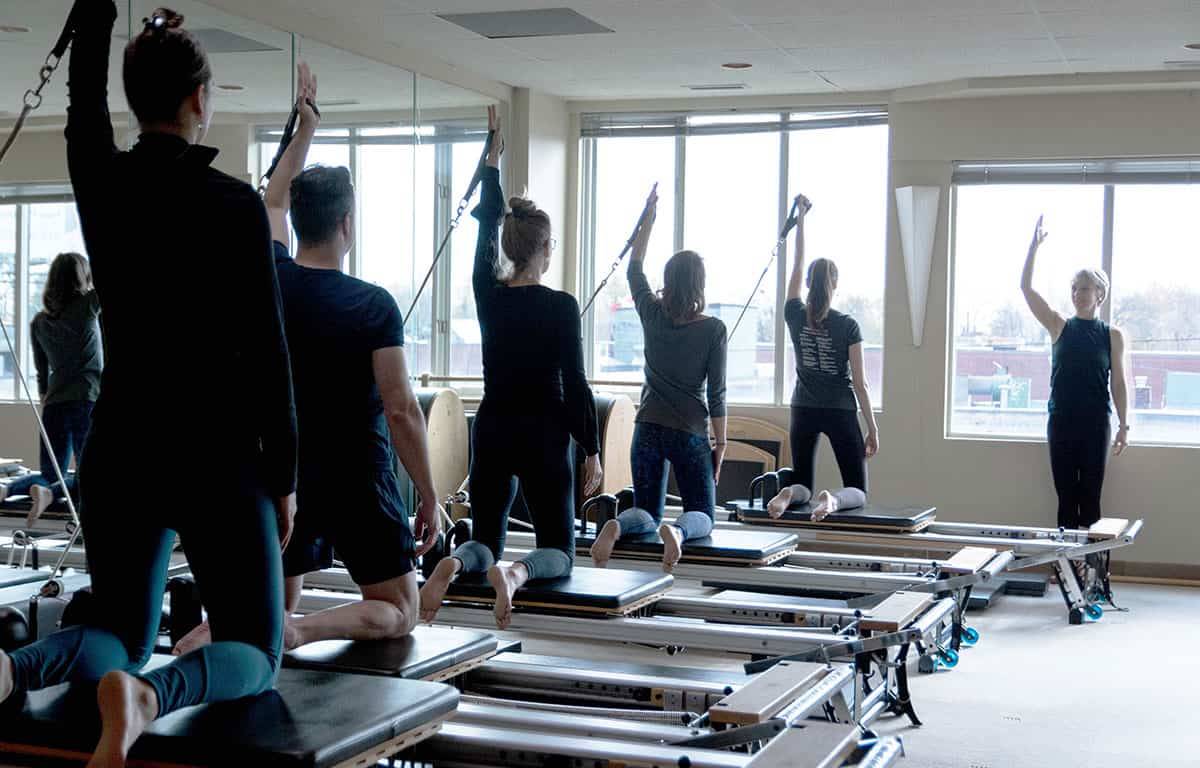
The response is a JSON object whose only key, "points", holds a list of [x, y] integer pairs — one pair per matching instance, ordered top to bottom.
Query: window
{"points": [[625, 170], [844, 171], [724, 184], [731, 217], [1134, 219], [8, 296], [1156, 303], [466, 342]]}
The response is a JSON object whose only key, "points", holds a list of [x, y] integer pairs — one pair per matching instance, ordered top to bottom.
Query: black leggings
{"points": [[841, 426], [537, 451], [1078, 458]]}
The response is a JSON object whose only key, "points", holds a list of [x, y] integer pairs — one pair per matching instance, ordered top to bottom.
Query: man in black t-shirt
{"points": [[355, 410]]}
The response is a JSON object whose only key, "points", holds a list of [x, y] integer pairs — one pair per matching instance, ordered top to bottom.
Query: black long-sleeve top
{"points": [[532, 337], [196, 363]]}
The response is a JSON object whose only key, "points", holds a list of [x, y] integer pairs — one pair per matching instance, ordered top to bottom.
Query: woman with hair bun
{"points": [[685, 354], [1087, 354], [196, 371], [831, 387], [535, 399]]}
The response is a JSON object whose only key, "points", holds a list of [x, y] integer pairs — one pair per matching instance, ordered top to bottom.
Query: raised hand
{"points": [[306, 95], [494, 128], [803, 205], [646, 222], [1039, 235]]}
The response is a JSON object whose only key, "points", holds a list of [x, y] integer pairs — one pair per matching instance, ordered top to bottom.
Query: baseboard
{"points": [[1156, 573]]}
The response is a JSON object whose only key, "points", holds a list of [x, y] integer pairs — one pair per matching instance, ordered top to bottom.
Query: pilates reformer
{"points": [[1080, 559], [628, 607], [289, 726]]}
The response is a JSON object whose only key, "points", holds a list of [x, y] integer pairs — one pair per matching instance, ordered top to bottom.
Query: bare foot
{"points": [[40, 499], [826, 504], [778, 505], [672, 546], [602, 549], [506, 582], [434, 590], [292, 636], [197, 638], [6, 677], [127, 707]]}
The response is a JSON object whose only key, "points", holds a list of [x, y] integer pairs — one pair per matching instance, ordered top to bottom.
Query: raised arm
{"points": [[90, 145], [278, 197], [488, 213], [796, 283], [639, 286], [1045, 314], [858, 379], [1120, 389], [406, 423]]}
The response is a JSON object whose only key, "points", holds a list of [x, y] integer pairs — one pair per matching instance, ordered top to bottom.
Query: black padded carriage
{"points": [[873, 517], [723, 546], [587, 590], [429, 653], [312, 720]]}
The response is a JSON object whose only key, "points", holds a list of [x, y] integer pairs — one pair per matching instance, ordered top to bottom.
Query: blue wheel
{"points": [[1094, 612], [969, 635], [948, 658]]}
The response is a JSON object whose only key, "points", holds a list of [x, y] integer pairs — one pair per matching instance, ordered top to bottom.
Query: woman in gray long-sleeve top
{"points": [[66, 353], [684, 391]]}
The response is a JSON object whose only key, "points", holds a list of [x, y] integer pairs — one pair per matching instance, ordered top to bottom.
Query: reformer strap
{"points": [[33, 96], [285, 141], [462, 206], [788, 224], [620, 257]]}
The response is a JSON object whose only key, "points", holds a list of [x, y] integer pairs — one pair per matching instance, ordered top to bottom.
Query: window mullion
{"points": [[443, 165], [680, 185], [1106, 249], [21, 315], [781, 337]]}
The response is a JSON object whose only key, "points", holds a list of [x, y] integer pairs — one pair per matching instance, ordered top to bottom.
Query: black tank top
{"points": [[1080, 367]]}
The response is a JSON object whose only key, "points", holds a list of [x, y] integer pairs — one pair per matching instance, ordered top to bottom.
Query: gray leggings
{"points": [[848, 498], [693, 525]]}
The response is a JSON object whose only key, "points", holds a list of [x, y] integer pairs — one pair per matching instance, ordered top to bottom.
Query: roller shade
{"points": [[597, 125], [1163, 170]]}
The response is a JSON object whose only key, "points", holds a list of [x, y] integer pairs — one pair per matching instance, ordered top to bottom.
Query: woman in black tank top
{"points": [[1087, 353]]}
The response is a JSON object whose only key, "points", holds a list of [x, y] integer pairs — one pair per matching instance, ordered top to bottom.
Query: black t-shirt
{"points": [[334, 323], [822, 358]]}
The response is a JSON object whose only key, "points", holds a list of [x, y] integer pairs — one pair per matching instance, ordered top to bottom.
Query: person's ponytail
{"points": [[822, 275]]}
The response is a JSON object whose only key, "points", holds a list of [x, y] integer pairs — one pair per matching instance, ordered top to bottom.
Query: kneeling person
{"points": [[355, 411]]}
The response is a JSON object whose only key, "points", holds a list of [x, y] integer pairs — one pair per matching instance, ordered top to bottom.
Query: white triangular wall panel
{"points": [[917, 208]]}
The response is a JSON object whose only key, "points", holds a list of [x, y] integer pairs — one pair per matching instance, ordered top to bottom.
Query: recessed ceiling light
{"points": [[13, 29], [1192, 46], [736, 65], [231, 87]]}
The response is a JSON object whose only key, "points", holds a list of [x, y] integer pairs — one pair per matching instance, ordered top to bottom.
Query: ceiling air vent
{"points": [[544, 22], [1182, 64], [717, 87]]}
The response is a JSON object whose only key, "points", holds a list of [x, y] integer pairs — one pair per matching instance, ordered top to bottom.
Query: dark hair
{"points": [[163, 66], [322, 196], [526, 232], [822, 274], [70, 277], [682, 294]]}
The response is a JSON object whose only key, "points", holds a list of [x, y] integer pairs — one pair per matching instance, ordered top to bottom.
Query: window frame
{"points": [[678, 125], [1108, 173], [21, 197]]}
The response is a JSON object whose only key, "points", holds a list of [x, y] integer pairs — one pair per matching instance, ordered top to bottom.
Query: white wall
{"points": [[538, 147]]}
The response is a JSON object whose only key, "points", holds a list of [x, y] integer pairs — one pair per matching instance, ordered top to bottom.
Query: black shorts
{"points": [[364, 522]]}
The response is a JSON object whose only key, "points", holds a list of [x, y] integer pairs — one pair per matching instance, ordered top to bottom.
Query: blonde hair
{"points": [[1096, 277]]}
